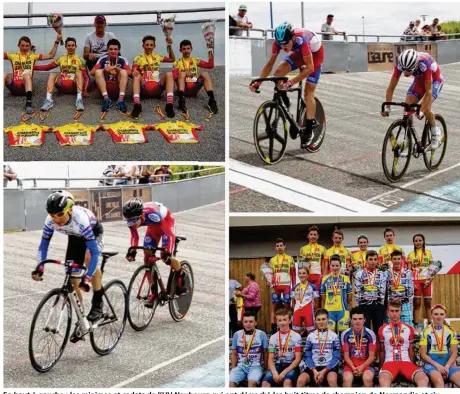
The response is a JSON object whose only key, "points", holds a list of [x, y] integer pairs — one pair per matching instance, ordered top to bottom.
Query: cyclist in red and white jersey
{"points": [[305, 53], [427, 85], [160, 226], [396, 350]]}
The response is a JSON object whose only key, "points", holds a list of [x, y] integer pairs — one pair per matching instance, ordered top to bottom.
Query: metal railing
{"points": [[67, 180]]}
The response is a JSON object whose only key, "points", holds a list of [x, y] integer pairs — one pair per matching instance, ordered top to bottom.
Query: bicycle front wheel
{"points": [[270, 132], [397, 151], [434, 157], [140, 290], [179, 306], [110, 328], [50, 330]]}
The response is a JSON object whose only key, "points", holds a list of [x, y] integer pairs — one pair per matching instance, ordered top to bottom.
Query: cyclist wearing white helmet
{"points": [[305, 53], [427, 85], [85, 245]]}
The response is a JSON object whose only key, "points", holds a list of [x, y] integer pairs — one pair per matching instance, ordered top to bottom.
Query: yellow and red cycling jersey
{"points": [[22, 64], [69, 65], [149, 66], [190, 66], [127, 132], [179, 132], [74, 134], [26, 135], [385, 253], [315, 254], [345, 256], [358, 258], [420, 263], [283, 268]]}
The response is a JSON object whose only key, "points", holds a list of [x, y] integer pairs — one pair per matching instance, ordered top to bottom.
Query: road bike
{"points": [[273, 121], [401, 143], [146, 284], [52, 320]]}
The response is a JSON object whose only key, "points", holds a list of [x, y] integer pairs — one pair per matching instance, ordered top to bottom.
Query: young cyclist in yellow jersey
{"points": [[72, 76], [147, 80], [189, 81], [20, 82], [338, 249], [386, 250], [314, 254], [358, 257], [419, 262], [283, 269], [336, 296]]}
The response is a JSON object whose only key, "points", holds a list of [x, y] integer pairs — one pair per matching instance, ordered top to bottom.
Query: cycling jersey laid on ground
{"points": [[427, 70], [127, 132], [179, 132], [74, 134], [26, 135], [83, 224], [160, 225], [314, 254], [344, 254], [420, 262], [283, 269], [336, 290], [304, 295], [438, 341], [358, 345], [322, 349]]}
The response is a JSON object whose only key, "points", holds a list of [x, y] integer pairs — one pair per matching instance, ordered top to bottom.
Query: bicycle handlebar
{"points": [[272, 79], [406, 106], [131, 248], [67, 264]]}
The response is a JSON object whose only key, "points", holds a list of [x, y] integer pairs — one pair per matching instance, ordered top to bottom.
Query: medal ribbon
{"points": [[20, 62], [363, 259], [371, 282], [396, 284], [335, 285], [302, 295], [394, 337], [360, 340], [439, 341], [321, 346], [283, 348], [246, 350]]}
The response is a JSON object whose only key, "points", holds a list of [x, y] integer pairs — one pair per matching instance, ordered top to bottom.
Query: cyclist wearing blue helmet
{"points": [[305, 52]]}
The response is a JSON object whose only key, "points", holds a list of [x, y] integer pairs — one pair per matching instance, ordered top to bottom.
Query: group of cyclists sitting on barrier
{"points": [[306, 53], [111, 73], [386, 287]]}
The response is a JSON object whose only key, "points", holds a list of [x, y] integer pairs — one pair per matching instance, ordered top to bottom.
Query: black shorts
{"points": [[76, 247]]}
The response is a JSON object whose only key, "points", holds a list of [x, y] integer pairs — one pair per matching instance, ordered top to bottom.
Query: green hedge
{"points": [[451, 27]]}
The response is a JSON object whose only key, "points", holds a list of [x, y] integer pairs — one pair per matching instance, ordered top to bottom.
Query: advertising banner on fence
{"points": [[380, 57], [144, 192], [81, 197], [106, 204]]}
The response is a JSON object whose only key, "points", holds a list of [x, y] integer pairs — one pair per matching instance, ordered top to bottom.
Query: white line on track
{"points": [[408, 184], [295, 191], [166, 363]]}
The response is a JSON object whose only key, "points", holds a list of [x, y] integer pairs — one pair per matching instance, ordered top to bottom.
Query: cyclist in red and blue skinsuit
{"points": [[305, 53], [160, 228]]}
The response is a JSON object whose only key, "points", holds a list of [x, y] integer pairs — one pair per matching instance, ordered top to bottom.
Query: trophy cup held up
{"points": [[56, 21], [209, 31]]}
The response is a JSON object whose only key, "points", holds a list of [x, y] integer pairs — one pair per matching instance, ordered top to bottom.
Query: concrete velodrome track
{"points": [[346, 175], [169, 354]]}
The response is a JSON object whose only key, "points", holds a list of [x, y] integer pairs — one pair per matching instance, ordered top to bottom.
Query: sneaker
{"points": [[181, 104], [47, 105], [79, 105], [106, 105], [212, 105], [121, 106], [169, 109], [136, 111], [435, 137], [96, 311]]}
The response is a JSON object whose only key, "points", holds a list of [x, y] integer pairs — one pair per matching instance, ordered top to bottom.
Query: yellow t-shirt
{"points": [[22, 64], [69, 65], [189, 65], [149, 66], [342, 252], [315, 254], [420, 264], [281, 265]]}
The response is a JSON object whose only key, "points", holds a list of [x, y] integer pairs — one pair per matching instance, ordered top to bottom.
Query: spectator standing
{"points": [[241, 20], [327, 28], [417, 29], [435, 30], [409, 32], [96, 42], [163, 170], [112, 171], [120, 172], [8, 175], [134, 175], [144, 175], [233, 286], [250, 294]]}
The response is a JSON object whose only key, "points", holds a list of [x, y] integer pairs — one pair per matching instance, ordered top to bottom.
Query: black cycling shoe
{"points": [[181, 104], [212, 105], [137, 109], [169, 109], [180, 285], [96, 311]]}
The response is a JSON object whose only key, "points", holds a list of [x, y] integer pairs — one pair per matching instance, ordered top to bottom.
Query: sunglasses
{"points": [[59, 215], [132, 221]]}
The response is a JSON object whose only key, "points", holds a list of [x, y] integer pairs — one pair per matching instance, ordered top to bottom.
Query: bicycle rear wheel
{"points": [[320, 130], [270, 132], [397, 151], [434, 157], [139, 292], [178, 307], [110, 328], [50, 330]]}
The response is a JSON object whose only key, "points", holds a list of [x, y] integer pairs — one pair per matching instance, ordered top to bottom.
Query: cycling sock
{"points": [[180, 93], [210, 94], [105, 95], [29, 96], [49, 96], [79, 96], [121, 97], [169, 98], [137, 99], [97, 295]]}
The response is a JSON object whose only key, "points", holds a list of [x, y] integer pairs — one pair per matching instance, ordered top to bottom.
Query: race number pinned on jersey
{"points": [[167, 25], [209, 31], [126, 132], [179, 132], [74, 134], [26, 135]]}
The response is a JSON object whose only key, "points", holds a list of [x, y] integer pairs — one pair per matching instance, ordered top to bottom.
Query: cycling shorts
{"points": [[295, 60], [66, 86], [17, 87], [192, 88], [418, 88], [152, 89], [154, 235], [76, 248], [315, 279], [420, 290], [281, 294], [306, 315], [339, 319], [441, 359], [404, 368], [319, 369], [251, 373], [291, 375]]}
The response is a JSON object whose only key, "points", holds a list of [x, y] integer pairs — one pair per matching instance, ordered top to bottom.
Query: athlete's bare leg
{"points": [[123, 76], [27, 77], [8, 78], [206, 80], [80, 81], [100, 81], [181, 81], [51, 82], [169, 82], [137, 84], [310, 99], [427, 303], [417, 307], [303, 379], [332, 379], [368, 379], [385, 380], [421, 380], [437, 380]]}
